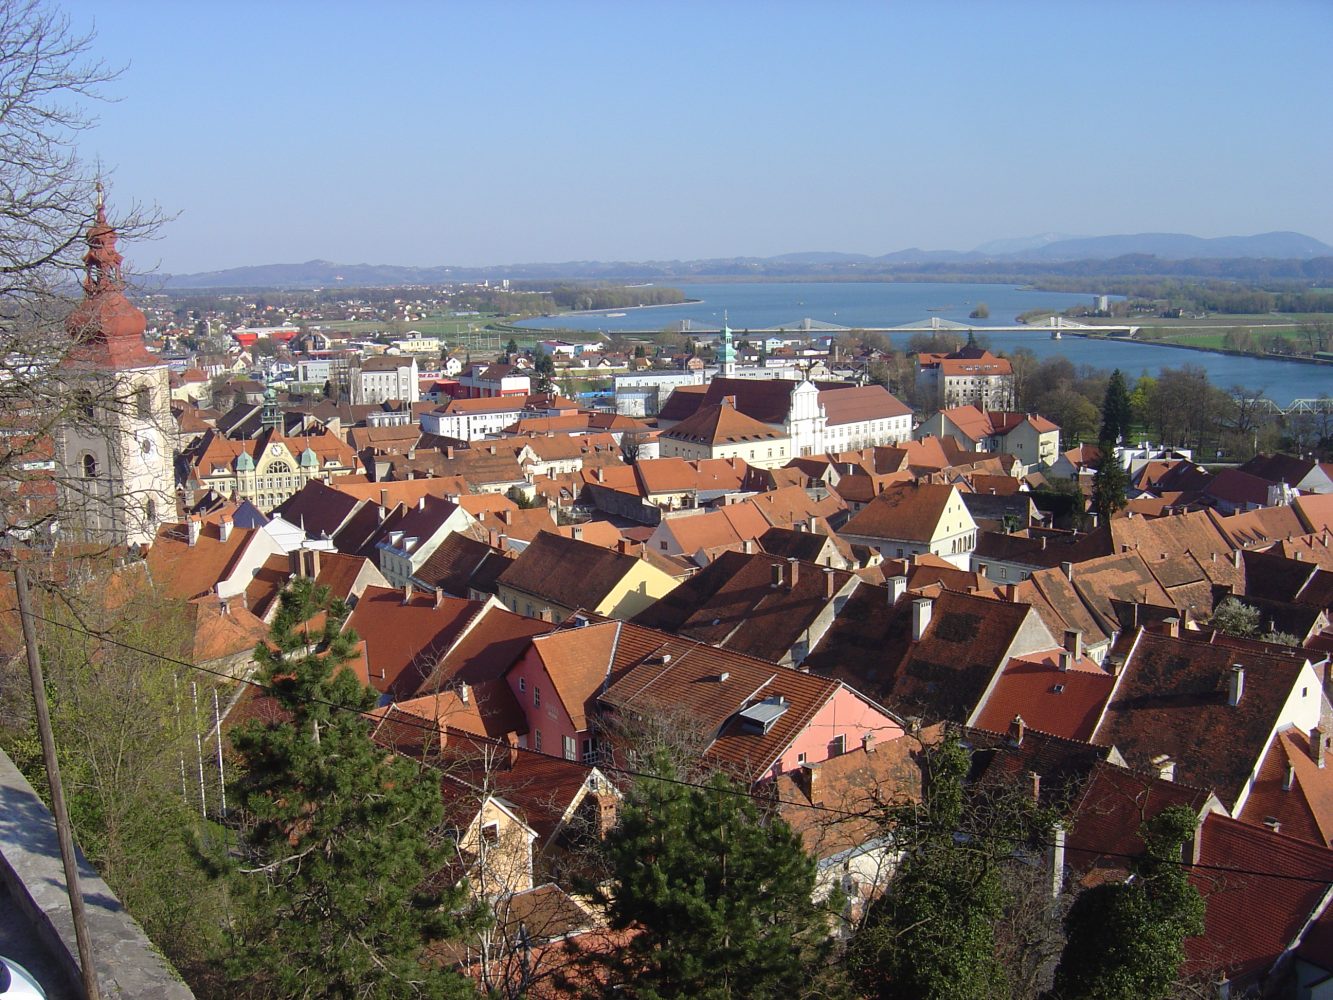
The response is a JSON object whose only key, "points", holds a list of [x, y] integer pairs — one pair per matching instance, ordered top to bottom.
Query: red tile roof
{"points": [[405, 640], [1172, 698], [1064, 703], [1253, 918]]}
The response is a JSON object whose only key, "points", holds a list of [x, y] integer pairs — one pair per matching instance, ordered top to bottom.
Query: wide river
{"points": [[758, 305]]}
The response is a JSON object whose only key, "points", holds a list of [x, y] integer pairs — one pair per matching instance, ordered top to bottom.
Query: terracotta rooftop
{"points": [[855, 404], [718, 424], [907, 512], [181, 570], [569, 573], [734, 603], [406, 638], [1172, 698], [1064, 702], [1293, 789], [1252, 919]]}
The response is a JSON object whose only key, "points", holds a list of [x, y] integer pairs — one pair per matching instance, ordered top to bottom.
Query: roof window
{"points": [[762, 716]]}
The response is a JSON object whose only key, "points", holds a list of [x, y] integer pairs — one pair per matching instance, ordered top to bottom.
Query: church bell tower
{"points": [[114, 443]]}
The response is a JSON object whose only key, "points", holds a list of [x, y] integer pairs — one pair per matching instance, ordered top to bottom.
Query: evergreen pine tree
{"points": [[511, 349], [1117, 413], [1110, 484], [335, 897], [720, 898], [931, 936], [1125, 940]]}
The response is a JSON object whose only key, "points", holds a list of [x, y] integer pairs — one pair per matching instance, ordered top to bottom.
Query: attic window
{"points": [[1058, 689], [762, 716]]}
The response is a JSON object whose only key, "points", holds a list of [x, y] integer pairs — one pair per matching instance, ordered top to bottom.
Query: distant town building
{"points": [[968, 376], [378, 380], [485, 381], [815, 417], [268, 469]]}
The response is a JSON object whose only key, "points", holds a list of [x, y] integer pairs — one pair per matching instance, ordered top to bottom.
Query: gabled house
{"points": [[917, 518], [408, 536], [556, 576], [765, 606], [404, 633], [921, 656], [1209, 706], [746, 716]]}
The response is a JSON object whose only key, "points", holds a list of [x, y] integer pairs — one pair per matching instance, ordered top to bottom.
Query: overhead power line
{"points": [[434, 729]]}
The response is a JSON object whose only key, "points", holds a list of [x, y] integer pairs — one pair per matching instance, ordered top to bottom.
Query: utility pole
{"points": [[57, 789]]}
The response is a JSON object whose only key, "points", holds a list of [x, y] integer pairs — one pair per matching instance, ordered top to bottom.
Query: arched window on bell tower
{"points": [[143, 402], [89, 467]]}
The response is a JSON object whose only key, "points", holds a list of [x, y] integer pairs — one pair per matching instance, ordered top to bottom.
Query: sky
{"points": [[485, 133]]}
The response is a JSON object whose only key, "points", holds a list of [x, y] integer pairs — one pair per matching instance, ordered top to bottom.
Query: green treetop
{"points": [[1117, 413], [1110, 484], [334, 897], [720, 898], [931, 936], [1125, 940]]}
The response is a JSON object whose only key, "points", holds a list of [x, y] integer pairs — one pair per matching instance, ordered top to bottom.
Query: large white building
{"points": [[380, 379], [816, 418], [114, 452]]}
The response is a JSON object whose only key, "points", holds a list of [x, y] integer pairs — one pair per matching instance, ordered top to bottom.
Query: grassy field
{"points": [[472, 332]]}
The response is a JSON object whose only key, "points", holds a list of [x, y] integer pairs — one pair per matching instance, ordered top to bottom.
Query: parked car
{"points": [[17, 983]]}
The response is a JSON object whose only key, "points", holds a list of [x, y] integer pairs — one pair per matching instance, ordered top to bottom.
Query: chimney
{"points": [[449, 452], [601, 474], [384, 498], [421, 503], [383, 513], [811, 524], [192, 527], [224, 527], [576, 532], [1043, 543], [747, 546], [1235, 558], [310, 559], [294, 563], [1067, 568], [795, 571], [777, 575], [830, 584], [897, 587], [1011, 592], [407, 593], [439, 597], [921, 608], [546, 615], [1172, 627], [1074, 642], [1066, 660], [1236, 685], [464, 692], [1016, 730], [868, 742], [1318, 746], [1164, 766], [1289, 778], [808, 779], [1034, 783], [1273, 823], [1056, 854]]}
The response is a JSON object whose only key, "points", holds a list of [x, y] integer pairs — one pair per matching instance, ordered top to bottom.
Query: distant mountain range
{"points": [[1049, 253]]}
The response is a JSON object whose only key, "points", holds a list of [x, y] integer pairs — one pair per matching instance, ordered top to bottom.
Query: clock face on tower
{"points": [[275, 449]]}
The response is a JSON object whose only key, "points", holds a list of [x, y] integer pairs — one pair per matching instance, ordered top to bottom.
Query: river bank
{"points": [[1298, 359]]}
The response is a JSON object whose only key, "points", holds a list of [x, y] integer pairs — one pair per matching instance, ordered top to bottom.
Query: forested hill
{"points": [[1290, 257]]}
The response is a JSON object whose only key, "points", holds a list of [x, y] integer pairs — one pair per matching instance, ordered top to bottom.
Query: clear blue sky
{"points": [[491, 132]]}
